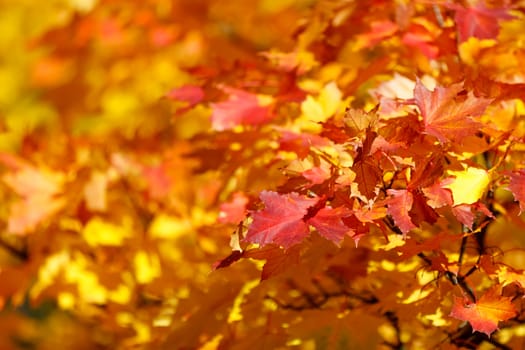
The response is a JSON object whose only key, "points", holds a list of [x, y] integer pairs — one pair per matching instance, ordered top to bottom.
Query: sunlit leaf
{"points": [[469, 185], [281, 221], [485, 314]]}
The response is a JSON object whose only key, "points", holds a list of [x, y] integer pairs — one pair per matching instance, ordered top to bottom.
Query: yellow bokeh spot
{"points": [[83, 5], [470, 49], [119, 103], [469, 185], [201, 217], [169, 227], [100, 232], [394, 241], [388, 265], [408, 265], [147, 267], [49, 271], [425, 277], [89, 288], [121, 295], [417, 295], [66, 300], [235, 313], [437, 319], [142, 330], [387, 332], [213, 343]]}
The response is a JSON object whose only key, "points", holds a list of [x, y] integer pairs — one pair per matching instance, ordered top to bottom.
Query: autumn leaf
{"points": [[478, 21], [379, 31], [420, 37], [188, 93], [241, 108], [447, 115], [358, 121], [139, 132], [300, 143], [368, 173], [317, 174], [469, 185], [517, 187], [40, 194], [438, 195], [399, 205], [233, 211], [421, 211], [464, 214], [281, 221], [328, 222], [414, 246], [507, 275], [485, 314]]}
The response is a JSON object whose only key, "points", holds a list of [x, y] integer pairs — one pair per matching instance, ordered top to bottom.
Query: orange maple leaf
{"points": [[447, 115], [485, 314]]}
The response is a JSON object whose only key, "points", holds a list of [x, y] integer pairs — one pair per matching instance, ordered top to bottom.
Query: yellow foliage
{"points": [[318, 110], [469, 185], [100, 232], [147, 267]]}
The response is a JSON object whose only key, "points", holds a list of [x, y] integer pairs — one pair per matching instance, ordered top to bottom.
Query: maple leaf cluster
{"points": [[307, 174]]}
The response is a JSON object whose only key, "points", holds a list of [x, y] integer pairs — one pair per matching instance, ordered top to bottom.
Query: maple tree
{"points": [[309, 174]]}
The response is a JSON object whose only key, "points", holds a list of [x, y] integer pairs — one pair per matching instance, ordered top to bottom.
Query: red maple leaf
{"points": [[478, 21], [379, 31], [421, 38], [188, 93], [241, 108], [446, 114], [301, 143], [517, 187], [437, 195], [399, 206], [233, 211], [421, 211], [466, 213], [281, 221], [329, 223], [485, 314]]}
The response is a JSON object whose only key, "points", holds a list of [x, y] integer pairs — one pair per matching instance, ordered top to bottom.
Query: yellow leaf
{"points": [[318, 110], [469, 185]]}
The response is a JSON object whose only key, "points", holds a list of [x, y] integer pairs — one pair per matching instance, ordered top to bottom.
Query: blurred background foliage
{"points": [[105, 225]]}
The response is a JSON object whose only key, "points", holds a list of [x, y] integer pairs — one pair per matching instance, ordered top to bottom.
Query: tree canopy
{"points": [[269, 174]]}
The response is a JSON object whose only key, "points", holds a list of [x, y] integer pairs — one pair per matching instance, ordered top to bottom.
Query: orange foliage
{"points": [[308, 174]]}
